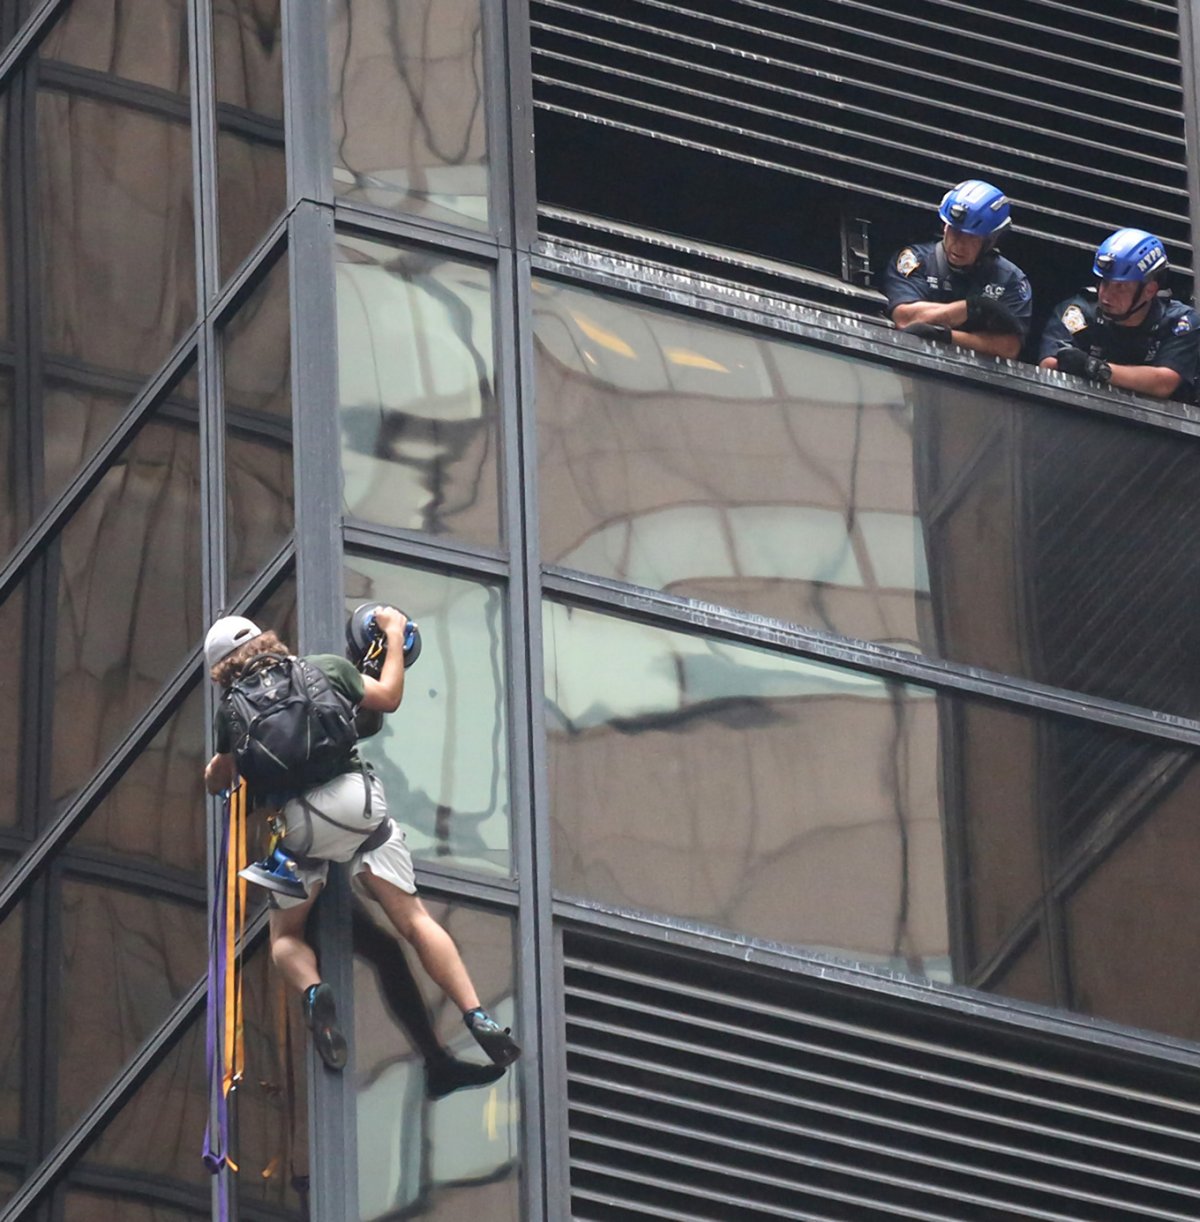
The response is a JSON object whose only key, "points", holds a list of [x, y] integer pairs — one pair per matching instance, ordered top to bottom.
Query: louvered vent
{"points": [[1074, 108], [701, 1089]]}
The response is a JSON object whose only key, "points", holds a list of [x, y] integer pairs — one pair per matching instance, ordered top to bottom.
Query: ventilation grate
{"points": [[1076, 110], [701, 1089]]}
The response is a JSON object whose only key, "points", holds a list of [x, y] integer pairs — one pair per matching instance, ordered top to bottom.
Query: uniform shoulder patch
{"points": [[907, 261], [1024, 292], [1073, 319], [1183, 325]]}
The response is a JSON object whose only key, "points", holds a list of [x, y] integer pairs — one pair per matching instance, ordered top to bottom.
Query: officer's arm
{"points": [[940, 313], [990, 343], [1156, 380], [383, 695], [219, 774]]}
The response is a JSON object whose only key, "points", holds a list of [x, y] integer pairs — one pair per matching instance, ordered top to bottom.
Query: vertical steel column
{"points": [[540, 975], [333, 1156]]}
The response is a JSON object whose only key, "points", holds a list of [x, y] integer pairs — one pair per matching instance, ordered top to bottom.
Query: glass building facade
{"points": [[777, 670]]}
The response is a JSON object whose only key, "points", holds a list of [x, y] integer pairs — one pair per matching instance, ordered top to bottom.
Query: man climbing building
{"points": [[326, 805]]}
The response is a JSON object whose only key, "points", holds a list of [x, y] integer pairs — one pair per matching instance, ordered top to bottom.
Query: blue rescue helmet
{"points": [[975, 207], [1130, 254]]}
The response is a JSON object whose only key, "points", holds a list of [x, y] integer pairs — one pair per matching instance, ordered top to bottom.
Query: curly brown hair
{"points": [[232, 664]]}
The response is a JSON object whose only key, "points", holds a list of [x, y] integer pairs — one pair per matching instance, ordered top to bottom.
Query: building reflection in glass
{"points": [[409, 127], [416, 377], [821, 489], [443, 755], [799, 802], [454, 1157]]}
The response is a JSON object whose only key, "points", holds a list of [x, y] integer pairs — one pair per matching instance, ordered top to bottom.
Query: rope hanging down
{"points": [[224, 1037]]}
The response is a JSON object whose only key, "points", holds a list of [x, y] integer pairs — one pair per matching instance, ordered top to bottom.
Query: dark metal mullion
{"points": [[37, 24], [832, 54], [104, 87], [766, 137], [361, 221], [628, 277], [412, 547], [678, 614], [98, 866], [332, 1103], [88, 1127]]}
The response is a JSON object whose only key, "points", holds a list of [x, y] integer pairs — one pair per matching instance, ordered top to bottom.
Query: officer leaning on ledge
{"points": [[962, 290], [1127, 331]]}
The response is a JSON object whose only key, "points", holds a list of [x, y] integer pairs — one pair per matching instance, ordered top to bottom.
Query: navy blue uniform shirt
{"points": [[923, 273], [1169, 336]]}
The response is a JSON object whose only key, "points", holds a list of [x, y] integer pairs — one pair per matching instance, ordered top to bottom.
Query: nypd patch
{"points": [[907, 261], [1073, 319], [1183, 326]]}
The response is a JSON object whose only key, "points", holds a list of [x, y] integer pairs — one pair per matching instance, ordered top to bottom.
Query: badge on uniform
{"points": [[907, 261], [1073, 319], [1183, 326]]}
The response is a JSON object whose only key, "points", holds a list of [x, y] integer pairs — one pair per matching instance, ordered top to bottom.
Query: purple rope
{"points": [[216, 1154]]}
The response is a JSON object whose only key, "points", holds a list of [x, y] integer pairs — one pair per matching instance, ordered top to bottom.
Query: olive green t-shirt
{"points": [[342, 676]]}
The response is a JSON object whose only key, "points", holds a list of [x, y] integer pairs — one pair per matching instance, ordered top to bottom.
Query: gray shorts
{"points": [[341, 833]]}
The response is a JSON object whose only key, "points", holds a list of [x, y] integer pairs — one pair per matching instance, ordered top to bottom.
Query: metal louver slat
{"points": [[1076, 110], [701, 1088]]}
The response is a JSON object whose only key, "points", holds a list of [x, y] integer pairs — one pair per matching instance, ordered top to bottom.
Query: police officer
{"points": [[962, 290], [1127, 331]]}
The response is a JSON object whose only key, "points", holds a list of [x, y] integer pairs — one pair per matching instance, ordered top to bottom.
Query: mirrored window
{"points": [[409, 129], [251, 170], [416, 375], [808, 485], [259, 497], [13, 516], [127, 571], [12, 629], [443, 755], [155, 814], [955, 839], [128, 958], [12, 1012], [271, 1104], [157, 1135], [419, 1157]]}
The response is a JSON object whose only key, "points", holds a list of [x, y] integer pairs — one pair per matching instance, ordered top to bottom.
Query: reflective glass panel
{"points": [[134, 40], [409, 130], [252, 178], [119, 282], [416, 374], [811, 486], [259, 501], [13, 515], [128, 569], [12, 629], [443, 755], [155, 814], [873, 820], [128, 959], [12, 1012], [271, 1104], [158, 1134], [455, 1157], [92, 1207]]}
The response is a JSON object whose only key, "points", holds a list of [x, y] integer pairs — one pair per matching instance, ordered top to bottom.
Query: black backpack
{"points": [[290, 727]]}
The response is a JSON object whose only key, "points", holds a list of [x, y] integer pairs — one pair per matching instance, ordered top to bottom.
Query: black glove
{"points": [[987, 314], [928, 330], [1076, 361]]}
